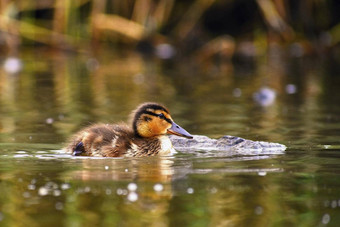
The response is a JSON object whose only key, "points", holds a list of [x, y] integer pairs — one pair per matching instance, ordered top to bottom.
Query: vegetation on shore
{"points": [[206, 27]]}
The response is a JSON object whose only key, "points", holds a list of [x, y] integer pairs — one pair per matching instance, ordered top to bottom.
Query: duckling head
{"points": [[152, 119]]}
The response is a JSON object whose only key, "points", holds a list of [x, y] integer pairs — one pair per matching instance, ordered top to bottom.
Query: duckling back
{"points": [[102, 140]]}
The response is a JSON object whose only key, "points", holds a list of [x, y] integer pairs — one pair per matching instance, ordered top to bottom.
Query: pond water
{"points": [[55, 94]]}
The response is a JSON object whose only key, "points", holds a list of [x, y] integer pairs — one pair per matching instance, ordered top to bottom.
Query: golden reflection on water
{"points": [[158, 169], [97, 190], [132, 192], [144, 203]]}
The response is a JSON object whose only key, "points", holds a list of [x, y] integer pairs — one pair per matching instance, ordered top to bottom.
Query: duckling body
{"points": [[151, 123]]}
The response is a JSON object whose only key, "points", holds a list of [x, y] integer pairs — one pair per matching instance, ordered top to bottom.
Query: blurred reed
{"points": [[78, 24]]}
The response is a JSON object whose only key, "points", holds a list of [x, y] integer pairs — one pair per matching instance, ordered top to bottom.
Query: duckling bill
{"points": [[151, 122]]}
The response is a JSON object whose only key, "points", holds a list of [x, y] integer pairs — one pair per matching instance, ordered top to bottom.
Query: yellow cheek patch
{"points": [[159, 127], [144, 129]]}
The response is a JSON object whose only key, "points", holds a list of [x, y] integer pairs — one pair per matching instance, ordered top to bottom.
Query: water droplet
{"points": [[165, 51], [12, 65], [291, 89], [237, 92], [265, 96], [49, 121], [262, 173], [51, 185], [65, 186], [31, 187], [132, 187], [158, 187], [190, 190], [213, 190], [43, 191], [108, 191], [119, 191], [56, 192], [26, 194], [132, 196], [334, 204], [59, 206], [258, 210], [326, 218]]}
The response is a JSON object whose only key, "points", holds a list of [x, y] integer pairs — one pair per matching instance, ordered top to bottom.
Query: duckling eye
{"points": [[161, 116]]}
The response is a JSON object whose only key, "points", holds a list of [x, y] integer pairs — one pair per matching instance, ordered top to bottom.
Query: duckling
{"points": [[151, 122]]}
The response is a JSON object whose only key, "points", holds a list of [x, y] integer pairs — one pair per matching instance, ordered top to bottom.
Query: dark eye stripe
{"points": [[158, 115], [168, 120]]}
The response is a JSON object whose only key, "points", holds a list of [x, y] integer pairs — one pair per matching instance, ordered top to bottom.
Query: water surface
{"points": [[55, 95]]}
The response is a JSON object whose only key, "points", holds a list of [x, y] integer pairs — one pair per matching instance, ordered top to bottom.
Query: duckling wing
{"points": [[101, 140]]}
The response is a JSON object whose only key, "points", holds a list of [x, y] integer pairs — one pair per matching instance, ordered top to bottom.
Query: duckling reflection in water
{"points": [[151, 122]]}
